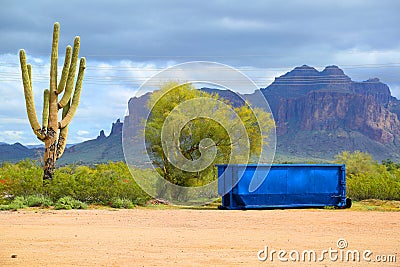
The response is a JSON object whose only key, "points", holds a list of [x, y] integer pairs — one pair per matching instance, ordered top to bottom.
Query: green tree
{"points": [[188, 131], [357, 162]]}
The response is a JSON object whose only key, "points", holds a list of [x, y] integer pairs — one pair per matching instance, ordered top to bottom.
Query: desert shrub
{"points": [[357, 162], [390, 165], [21, 179], [366, 179], [63, 183], [99, 184], [385, 186], [29, 201], [38, 201], [17, 203], [67, 203], [122, 203], [5, 207]]}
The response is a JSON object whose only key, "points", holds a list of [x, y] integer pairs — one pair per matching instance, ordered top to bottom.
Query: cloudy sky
{"points": [[126, 42]]}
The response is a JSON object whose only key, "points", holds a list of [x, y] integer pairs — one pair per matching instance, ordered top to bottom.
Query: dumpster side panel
{"points": [[300, 180], [275, 182], [285, 185]]}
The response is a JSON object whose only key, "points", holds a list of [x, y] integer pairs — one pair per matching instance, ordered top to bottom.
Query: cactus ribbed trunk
{"points": [[54, 133], [51, 138], [50, 143]]}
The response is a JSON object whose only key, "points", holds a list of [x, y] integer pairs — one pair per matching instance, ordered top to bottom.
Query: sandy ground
{"points": [[180, 237]]}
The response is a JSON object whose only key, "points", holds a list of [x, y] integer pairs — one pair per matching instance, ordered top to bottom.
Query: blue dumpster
{"points": [[244, 186]]}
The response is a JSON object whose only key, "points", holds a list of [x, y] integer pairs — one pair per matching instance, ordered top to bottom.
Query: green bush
{"points": [[357, 162], [21, 179], [366, 179], [99, 184], [362, 186], [29, 201], [38, 201], [17, 203], [67, 203], [122, 203], [5, 207]]}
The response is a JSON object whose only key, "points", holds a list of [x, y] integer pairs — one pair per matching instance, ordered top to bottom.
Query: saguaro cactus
{"points": [[53, 132]]}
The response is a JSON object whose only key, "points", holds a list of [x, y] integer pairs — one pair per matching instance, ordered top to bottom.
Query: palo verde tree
{"points": [[52, 131], [188, 131], [357, 162]]}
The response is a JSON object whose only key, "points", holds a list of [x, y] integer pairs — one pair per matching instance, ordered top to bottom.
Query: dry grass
{"points": [[376, 205]]}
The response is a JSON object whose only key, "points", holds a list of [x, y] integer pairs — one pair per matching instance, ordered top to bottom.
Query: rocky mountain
{"points": [[321, 113], [318, 114], [100, 150], [16, 152]]}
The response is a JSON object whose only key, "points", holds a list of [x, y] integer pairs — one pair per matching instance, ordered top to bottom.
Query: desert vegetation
{"points": [[368, 179], [111, 184], [73, 186]]}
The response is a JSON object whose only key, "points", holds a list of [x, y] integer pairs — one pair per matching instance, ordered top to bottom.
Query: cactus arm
{"points": [[54, 58], [29, 66], [64, 74], [71, 75], [77, 94], [53, 99], [29, 101], [46, 105], [65, 109], [62, 139]]}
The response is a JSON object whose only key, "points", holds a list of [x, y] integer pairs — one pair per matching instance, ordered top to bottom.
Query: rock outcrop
{"points": [[305, 100]]}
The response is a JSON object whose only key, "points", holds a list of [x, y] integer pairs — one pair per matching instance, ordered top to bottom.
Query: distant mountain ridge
{"points": [[317, 113], [321, 113], [100, 150], [16, 152]]}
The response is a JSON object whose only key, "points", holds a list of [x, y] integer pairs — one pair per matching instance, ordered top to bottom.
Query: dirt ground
{"points": [[183, 237]]}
